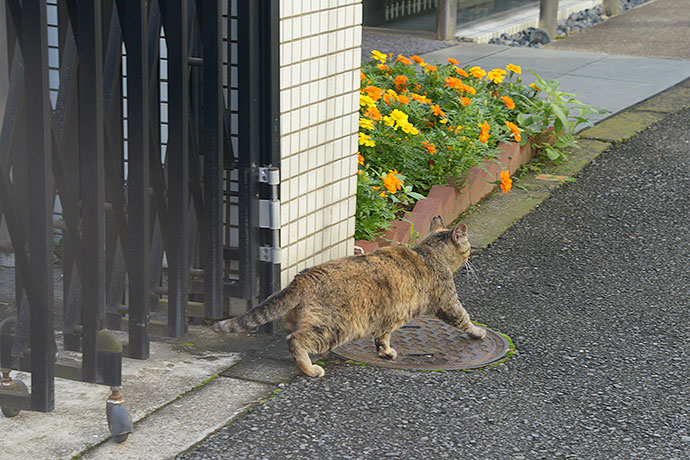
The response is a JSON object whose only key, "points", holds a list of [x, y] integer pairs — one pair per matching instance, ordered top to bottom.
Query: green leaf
{"points": [[558, 111]]}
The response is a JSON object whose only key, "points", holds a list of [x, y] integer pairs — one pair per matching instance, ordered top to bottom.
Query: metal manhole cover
{"points": [[429, 343]]}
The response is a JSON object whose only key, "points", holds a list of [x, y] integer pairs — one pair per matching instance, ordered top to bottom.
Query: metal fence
{"points": [[149, 127]]}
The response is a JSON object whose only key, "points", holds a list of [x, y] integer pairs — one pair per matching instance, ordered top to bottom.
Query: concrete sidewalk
{"points": [[191, 388]]}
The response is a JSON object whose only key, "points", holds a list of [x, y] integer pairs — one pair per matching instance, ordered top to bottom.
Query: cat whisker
{"points": [[469, 268]]}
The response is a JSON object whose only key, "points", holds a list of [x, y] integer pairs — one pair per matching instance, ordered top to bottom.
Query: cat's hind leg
{"points": [[457, 316], [298, 344], [383, 346]]}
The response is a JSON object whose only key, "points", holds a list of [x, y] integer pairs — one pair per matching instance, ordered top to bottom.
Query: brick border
{"points": [[449, 201]]}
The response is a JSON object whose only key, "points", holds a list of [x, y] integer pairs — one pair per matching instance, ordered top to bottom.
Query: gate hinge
{"points": [[269, 175], [269, 214], [269, 254]]}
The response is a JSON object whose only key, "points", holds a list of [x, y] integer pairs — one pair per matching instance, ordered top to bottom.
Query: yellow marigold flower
{"points": [[379, 56], [403, 59], [453, 61], [383, 67], [514, 68], [461, 72], [477, 72], [496, 75], [534, 86], [373, 92], [420, 98], [403, 99], [366, 101], [465, 101], [508, 101], [436, 110], [373, 113], [395, 117], [366, 123], [408, 128], [516, 131], [484, 136], [366, 140], [429, 146], [360, 159], [391, 181], [506, 181]]}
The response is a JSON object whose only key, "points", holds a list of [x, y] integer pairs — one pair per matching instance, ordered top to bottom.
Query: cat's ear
{"points": [[436, 224], [459, 232]]}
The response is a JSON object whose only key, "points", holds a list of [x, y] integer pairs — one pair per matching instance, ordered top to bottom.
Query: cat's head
{"points": [[452, 243]]}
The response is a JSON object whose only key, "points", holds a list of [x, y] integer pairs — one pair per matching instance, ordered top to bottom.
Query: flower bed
{"points": [[448, 133]]}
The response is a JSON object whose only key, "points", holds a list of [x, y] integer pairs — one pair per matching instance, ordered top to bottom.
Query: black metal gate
{"points": [[140, 143]]}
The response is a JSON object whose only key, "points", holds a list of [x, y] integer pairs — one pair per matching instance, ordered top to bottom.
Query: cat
{"points": [[367, 295]]}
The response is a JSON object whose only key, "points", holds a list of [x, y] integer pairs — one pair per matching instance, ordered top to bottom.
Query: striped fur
{"points": [[368, 295]]}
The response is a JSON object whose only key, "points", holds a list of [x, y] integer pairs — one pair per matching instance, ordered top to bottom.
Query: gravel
{"points": [[576, 22], [389, 43], [593, 288]]}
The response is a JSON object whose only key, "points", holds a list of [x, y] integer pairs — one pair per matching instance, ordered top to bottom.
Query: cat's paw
{"points": [[477, 333], [390, 354], [315, 371]]}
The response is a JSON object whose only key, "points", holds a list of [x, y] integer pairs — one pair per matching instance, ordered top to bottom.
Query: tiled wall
{"points": [[319, 101]]}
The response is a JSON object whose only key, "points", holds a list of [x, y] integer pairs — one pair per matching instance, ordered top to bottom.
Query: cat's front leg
{"points": [[456, 315], [383, 346]]}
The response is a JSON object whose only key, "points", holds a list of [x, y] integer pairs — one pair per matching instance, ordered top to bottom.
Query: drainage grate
{"points": [[429, 343]]}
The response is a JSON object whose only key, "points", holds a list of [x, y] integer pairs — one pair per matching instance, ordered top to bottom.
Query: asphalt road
{"points": [[593, 286]]}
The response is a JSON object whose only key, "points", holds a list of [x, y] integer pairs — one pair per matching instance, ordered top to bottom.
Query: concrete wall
{"points": [[319, 100]]}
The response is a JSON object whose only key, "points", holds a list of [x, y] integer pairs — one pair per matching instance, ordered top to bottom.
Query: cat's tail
{"points": [[272, 308]]}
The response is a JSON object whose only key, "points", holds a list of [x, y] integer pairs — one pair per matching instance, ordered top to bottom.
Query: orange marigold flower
{"points": [[403, 59], [417, 59], [453, 61], [383, 67], [431, 68], [514, 68], [461, 72], [477, 72], [362, 76], [400, 82], [453, 82], [373, 92], [390, 97], [420, 98], [403, 99], [465, 101], [508, 101], [436, 110], [373, 113], [516, 131], [484, 136], [430, 147], [360, 159], [506, 181], [392, 182], [382, 194]]}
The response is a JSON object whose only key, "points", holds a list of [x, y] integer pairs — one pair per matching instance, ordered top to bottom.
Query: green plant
{"points": [[550, 108]]}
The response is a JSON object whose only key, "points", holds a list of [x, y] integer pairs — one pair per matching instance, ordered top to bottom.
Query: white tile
{"points": [[297, 7], [286, 8], [358, 14], [286, 30], [314, 66], [296, 74], [295, 97], [303, 140], [294, 143], [320, 155], [311, 201], [294, 215], [302, 228], [292, 235], [301, 252]]}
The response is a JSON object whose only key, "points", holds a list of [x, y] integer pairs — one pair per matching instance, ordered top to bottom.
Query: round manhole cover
{"points": [[429, 343]]}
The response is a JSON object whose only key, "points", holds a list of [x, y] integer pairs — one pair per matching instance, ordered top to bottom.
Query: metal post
{"points": [[611, 7], [211, 16], [548, 17], [446, 19], [177, 38], [91, 156], [138, 180], [40, 203]]}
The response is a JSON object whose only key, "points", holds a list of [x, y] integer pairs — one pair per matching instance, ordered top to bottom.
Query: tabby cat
{"points": [[367, 295]]}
